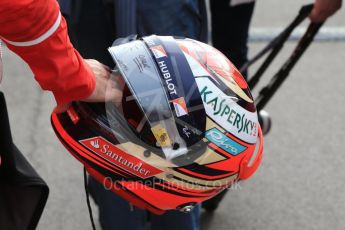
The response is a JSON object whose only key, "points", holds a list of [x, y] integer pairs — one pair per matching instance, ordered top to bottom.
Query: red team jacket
{"points": [[36, 31]]}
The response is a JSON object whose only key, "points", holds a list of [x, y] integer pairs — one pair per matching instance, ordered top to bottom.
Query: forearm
{"points": [[34, 30]]}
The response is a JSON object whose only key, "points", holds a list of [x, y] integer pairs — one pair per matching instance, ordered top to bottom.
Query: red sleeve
{"points": [[27, 27]]}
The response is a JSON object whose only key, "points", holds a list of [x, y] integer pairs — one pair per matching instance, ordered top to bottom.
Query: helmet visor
{"points": [[146, 117]]}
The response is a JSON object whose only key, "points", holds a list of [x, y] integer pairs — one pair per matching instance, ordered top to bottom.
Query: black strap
{"points": [[88, 200]]}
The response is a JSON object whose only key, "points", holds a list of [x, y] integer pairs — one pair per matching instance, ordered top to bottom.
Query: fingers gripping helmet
{"points": [[186, 127]]}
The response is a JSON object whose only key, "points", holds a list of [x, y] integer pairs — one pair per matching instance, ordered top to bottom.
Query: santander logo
{"points": [[114, 155]]}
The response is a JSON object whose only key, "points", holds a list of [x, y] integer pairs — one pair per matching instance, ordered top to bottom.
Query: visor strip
{"points": [[180, 87]]}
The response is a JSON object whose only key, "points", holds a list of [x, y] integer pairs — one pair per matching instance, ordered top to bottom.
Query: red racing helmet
{"points": [[186, 127]]}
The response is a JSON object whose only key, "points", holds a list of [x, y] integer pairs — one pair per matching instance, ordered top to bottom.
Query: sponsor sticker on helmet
{"points": [[158, 51], [180, 106], [224, 110], [73, 115], [161, 135], [224, 142], [114, 155]]}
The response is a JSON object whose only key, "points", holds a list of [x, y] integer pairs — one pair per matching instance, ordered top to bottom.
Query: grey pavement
{"points": [[301, 182]]}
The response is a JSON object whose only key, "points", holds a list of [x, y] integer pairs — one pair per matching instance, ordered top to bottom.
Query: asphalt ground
{"points": [[301, 181]]}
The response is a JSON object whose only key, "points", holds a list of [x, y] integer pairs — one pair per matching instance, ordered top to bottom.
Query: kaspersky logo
{"points": [[225, 111], [235, 118], [114, 155]]}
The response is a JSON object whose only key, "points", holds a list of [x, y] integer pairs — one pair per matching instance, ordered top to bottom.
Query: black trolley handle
{"points": [[275, 46], [276, 81]]}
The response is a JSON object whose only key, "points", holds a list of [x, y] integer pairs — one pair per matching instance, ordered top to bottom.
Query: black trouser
{"points": [[230, 26], [92, 27], [93, 31]]}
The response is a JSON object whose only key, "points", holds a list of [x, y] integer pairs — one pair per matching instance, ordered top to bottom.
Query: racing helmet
{"points": [[185, 130]]}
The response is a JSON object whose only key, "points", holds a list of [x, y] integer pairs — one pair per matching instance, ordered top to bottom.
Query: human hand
{"points": [[323, 9], [105, 89]]}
